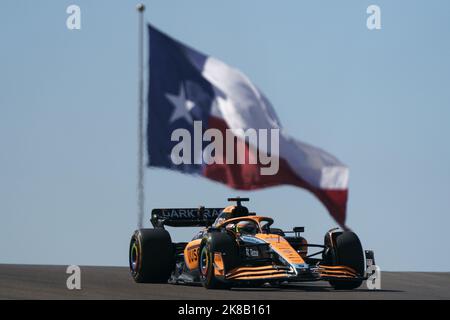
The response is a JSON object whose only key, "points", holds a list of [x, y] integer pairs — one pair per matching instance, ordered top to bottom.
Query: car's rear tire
{"points": [[218, 242], [348, 251], [151, 256]]}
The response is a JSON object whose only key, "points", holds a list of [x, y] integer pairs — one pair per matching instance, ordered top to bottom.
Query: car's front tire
{"points": [[221, 242], [348, 251], [151, 256], [206, 269]]}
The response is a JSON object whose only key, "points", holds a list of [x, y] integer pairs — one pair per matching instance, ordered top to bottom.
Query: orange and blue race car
{"points": [[238, 248]]}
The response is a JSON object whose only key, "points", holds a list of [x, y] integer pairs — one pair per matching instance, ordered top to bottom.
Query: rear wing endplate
{"points": [[184, 217]]}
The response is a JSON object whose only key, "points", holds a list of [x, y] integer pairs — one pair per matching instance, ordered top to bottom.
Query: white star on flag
{"points": [[182, 105]]}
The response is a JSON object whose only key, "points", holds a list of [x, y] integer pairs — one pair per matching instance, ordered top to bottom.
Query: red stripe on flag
{"points": [[247, 177]]}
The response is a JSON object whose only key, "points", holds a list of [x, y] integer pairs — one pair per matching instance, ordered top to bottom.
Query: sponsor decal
{"points": [[186, 214], [251, 239]]}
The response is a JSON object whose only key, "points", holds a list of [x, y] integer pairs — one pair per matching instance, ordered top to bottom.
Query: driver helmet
{"points": [[246, 227]]}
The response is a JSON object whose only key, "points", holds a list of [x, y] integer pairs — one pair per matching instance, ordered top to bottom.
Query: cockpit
{"points": [[250, 225], [244, 227]]}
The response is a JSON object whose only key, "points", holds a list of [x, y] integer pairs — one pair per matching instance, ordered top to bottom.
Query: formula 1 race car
{"points": [[239, 248]]}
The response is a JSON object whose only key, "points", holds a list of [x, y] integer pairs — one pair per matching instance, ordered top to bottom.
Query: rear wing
{"points": [[184, 217]]}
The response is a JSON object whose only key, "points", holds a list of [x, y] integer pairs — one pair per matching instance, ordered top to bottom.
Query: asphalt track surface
{"points": [[49, 282]]}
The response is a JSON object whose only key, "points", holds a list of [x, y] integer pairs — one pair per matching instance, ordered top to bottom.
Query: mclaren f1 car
{"points": [[238, 248]]}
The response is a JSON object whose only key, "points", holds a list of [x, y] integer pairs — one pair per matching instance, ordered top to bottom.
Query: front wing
{"points": [[270, 274]]}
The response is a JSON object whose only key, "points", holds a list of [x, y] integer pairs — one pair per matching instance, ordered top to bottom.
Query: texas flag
{"points": [[186, 87]]}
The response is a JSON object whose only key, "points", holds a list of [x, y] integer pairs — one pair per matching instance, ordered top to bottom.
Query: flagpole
{"points": [[140, 181]]}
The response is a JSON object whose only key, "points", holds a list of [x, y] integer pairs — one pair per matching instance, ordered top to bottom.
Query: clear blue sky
{"points": [[378, 100]]}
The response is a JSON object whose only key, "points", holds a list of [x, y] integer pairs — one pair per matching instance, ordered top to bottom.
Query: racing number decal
{"points": [[193, 255]]}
